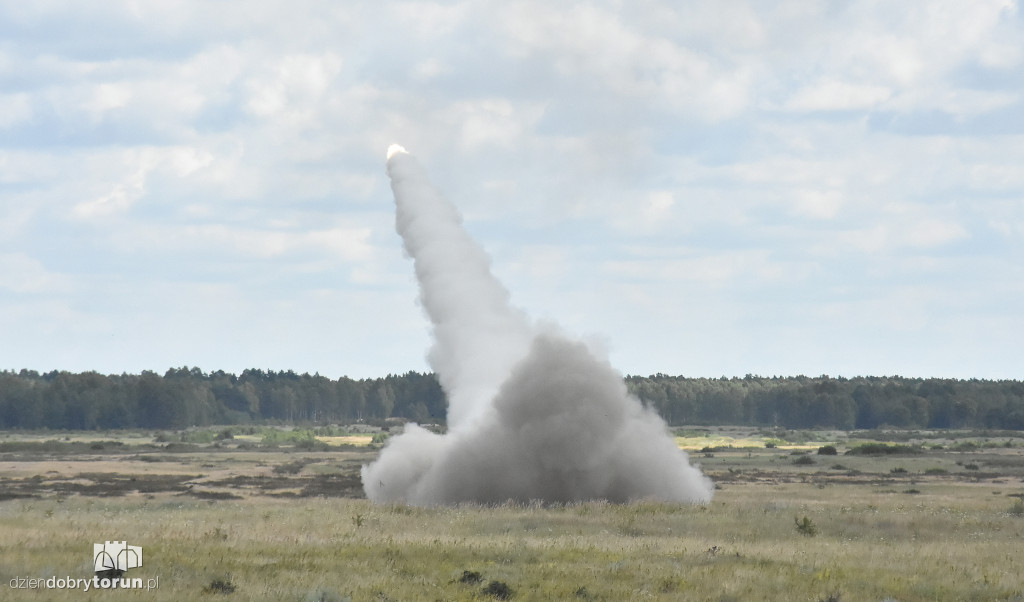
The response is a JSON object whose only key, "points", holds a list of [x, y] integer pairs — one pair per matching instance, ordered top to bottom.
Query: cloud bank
{"points": [[832, 187]]}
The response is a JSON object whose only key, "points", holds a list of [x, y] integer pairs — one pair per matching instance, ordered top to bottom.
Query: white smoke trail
{"points": [[478, 336], [532, 414]]}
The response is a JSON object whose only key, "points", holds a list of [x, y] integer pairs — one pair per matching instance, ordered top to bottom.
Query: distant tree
{"points": [[381, 400]]}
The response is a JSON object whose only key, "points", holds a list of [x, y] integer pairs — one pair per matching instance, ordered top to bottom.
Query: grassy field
{"points": [[259, 517]]}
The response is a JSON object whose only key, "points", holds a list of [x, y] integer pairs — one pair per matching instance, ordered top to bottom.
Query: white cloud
{"points": [[431, 20], [604, 53], [293, 84], [833, 95], [107, 97], [955, 101], [14, 109], [496, 122], [732, 156], [140, 163], [124, 194], [818, 204], [659, 206], [916, 234], [233, 242], [721, 269], [21, 273]]}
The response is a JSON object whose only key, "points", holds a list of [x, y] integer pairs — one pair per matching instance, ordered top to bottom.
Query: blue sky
{"points": [[702, 188]]}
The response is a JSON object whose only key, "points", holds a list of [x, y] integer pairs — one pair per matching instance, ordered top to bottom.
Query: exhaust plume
{"points": [[532, 414]]}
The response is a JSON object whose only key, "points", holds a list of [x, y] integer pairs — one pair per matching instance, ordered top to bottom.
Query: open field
{"points": [[247, 518]]}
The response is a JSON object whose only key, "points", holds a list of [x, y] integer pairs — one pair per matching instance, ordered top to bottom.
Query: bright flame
{"points": [[396, 148]]}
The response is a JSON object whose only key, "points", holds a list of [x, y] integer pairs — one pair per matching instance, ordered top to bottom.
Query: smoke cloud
{"points": [[533, 414]]}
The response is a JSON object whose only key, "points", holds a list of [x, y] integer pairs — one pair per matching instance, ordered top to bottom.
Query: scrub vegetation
{"points": [[249, 518]]}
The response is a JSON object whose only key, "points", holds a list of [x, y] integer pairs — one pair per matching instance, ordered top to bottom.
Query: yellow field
{"points": [[359, 440]]}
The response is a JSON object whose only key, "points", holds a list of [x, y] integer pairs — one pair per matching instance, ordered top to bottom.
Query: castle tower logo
{"points": [[116, 557]]}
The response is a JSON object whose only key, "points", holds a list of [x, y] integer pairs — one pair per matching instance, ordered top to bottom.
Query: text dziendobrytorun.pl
{"points": [[84, 584]]}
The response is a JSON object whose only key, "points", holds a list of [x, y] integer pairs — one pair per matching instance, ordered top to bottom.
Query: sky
{"points": [[712, 188]]}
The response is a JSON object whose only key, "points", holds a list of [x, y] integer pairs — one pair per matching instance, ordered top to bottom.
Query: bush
{"points": [[198, 436], [300, 438], [311, 445], [881, 449], [827, 450], [803, 461], [294, 467], [805, 527], [219, 586], [499, 590]]}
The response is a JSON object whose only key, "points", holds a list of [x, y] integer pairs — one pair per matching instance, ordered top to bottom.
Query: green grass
{"points": [[957, 538], [939, 545]]}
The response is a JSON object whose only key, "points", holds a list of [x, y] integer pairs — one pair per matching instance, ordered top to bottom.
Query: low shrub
{"points": [[198, 436], [311, 445], [882, 449], [294, 467], [805, 527], [219, 586], [499, 590]]}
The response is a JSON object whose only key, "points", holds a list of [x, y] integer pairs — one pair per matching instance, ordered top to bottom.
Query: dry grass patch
{"points": [[958, 538]]}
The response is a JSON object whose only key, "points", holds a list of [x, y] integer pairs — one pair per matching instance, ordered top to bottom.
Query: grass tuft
{"points": [[1017, 509], [805, 527], [220, 586], [499, 590]]}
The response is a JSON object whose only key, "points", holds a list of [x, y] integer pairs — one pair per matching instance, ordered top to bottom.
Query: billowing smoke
{"points": [[532, 415]]}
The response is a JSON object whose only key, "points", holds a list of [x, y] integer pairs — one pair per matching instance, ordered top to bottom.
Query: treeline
{"points": [[185, 397], [841, 403]]}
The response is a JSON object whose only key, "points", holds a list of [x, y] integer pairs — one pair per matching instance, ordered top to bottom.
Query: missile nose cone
{"points": [[394, 149]]}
